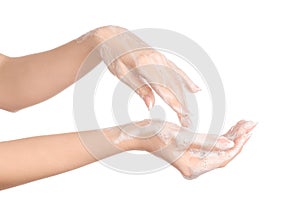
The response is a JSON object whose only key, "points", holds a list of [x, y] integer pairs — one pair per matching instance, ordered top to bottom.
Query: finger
{"points": [[161, 59], [131, 78], [165, 82], [190, 85], [145, 92], [174, 103], [184, 120], [240, 128], [244, 130], [203, 142], [212, 142], [239, 142], [223, 143], [234, 152], [217, 159]]}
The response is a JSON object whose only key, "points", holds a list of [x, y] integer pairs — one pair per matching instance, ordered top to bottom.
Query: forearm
{"points": [[2, 59], [28, 80], [30, 159]]}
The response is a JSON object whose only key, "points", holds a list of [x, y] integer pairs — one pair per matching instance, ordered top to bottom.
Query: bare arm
{"points": [[28, 80], [30, 159]]}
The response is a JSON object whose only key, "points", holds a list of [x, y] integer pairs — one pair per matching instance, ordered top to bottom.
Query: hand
{"points": [[144, 69], [191, 153], [200, 157]]}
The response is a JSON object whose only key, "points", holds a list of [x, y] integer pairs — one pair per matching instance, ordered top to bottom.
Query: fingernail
{"points": [[197, 88], [148, 101], [150, 105], [186, 121], [249, 125], [224, 143], [230, 144]]}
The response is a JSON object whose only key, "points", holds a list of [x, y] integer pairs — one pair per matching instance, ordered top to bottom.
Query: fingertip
{"points": [[192, 87], [195, 88], [145, 92], [149, 101], [150, 105], [185, 120], [250, 125], [224, 144]]}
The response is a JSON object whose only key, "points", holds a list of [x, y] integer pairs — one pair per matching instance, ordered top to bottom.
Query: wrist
{"points": [[104, 33], [99, 35], [143, 135], [120, 140]]}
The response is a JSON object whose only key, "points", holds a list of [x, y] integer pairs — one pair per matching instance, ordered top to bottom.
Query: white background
{"points": [[255, 46]]}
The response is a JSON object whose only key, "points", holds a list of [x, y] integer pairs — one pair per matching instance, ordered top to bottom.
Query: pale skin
{"points": [[31, 79], [28, 80], [30, 159]]}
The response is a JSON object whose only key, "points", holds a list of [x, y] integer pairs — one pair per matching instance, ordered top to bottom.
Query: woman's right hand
{"points": [[144, 69]]}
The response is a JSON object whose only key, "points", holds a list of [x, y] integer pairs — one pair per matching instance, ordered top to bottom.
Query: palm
{"points": [[202, 155]]}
